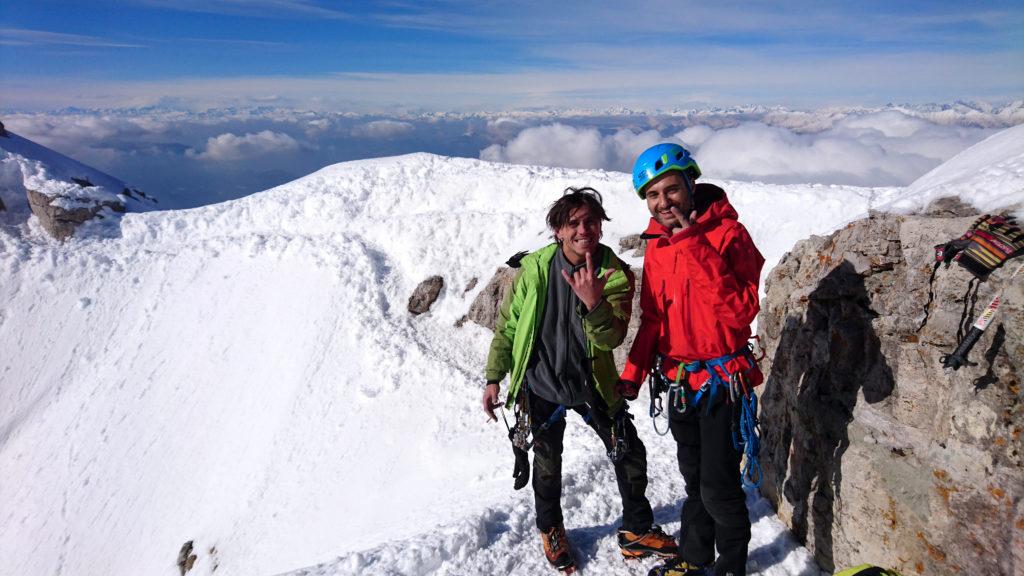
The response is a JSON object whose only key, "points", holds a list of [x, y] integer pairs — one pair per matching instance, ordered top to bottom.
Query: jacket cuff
{"points": [[601, 314], [633, 373], [493, 376]]}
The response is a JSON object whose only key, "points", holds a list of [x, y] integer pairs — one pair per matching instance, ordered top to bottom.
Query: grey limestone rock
{"points": [[949, 207], [61, 222], [633, 242], [484, 309], [871, 451], [186, 558]]}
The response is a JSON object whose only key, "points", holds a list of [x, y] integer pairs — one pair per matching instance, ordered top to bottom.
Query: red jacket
{"points": [[699, 291]]}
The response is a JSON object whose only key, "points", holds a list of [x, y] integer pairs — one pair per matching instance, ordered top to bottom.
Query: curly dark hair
{"points": [[573, 198]]}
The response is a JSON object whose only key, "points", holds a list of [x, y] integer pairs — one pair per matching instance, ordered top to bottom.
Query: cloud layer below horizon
{"points": [[878, 149], [191, 159]]}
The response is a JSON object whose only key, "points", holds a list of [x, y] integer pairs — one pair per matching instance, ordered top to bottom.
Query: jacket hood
{"points": [[712, 206]]}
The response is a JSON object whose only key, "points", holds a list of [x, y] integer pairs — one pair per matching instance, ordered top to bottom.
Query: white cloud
{"points": [[27, 37], [721, 76], [383, 129], [694, 136], [229, 147], [571, 147], [885, 148], [157, 149], [880, 149]]}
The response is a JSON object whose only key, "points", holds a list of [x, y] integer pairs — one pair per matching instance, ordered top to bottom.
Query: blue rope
{"points": [[749, 442]]}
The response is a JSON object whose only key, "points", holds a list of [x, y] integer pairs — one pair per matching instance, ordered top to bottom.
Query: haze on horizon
{"points": [[200, 100]]}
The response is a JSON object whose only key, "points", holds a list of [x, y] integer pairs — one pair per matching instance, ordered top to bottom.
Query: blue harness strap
{"points": [[715, 380], [558, 414], [747, 438]]}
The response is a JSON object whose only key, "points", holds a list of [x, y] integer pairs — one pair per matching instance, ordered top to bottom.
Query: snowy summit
{"points": [[244, 376]]}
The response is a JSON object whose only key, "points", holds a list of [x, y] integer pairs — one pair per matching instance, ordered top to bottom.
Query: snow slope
{"points": [[25, 164], [988, 175], [245, 376]]}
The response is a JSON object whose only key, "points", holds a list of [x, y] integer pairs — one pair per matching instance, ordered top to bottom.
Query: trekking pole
{"points": [[959, 356]]}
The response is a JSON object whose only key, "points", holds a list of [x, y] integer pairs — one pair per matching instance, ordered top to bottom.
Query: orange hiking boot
{"points": [[653, 542], [556, 549]]}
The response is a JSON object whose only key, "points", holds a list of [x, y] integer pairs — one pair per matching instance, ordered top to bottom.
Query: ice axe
{"points": [[959, 356]]}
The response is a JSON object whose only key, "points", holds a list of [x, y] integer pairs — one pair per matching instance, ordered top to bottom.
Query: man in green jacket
{"points": [[568, 308]]}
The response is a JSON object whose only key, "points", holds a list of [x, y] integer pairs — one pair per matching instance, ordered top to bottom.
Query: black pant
{"points": [[630, 472], [715, 510]]}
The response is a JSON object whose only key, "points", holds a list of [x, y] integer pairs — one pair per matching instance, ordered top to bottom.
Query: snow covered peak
{"points": [[988, 175]]}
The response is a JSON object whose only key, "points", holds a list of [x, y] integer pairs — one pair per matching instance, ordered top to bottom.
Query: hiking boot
{"points": [[654, 541], [556, 548], [679, 567]]}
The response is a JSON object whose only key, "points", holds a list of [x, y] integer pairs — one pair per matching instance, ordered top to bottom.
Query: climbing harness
{"points": [[746, 428], [523, 434]]}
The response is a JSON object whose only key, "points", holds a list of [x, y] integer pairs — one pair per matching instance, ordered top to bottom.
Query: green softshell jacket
{"points": [[519, 318]]}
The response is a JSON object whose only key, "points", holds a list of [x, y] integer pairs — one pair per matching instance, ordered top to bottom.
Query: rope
{"points": [[749, 440]]}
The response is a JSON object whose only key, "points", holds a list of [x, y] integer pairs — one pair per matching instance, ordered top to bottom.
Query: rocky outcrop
{"points": [[61, 222], [424, 296], [484, 309], [871, 451]]}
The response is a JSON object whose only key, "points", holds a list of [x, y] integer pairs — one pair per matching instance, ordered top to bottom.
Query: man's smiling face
{"points": [[669, 190], [580, 234]]}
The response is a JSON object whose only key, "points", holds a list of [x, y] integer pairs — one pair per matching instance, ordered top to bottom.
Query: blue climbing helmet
{"points": [[659, 159]]}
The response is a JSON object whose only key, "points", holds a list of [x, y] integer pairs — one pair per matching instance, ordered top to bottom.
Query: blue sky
{"points": [[490, 55]]}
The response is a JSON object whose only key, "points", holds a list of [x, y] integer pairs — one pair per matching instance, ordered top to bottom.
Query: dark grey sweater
{"points": [[559, 370]]}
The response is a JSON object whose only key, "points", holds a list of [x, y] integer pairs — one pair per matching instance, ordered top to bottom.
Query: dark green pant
{"points": [[630, 472]]}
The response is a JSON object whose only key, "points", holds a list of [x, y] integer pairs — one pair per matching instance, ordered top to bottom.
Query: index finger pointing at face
{"points": [[590, 265]]}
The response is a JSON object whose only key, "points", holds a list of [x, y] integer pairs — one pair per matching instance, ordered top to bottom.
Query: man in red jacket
{"points": [[698, 298]]}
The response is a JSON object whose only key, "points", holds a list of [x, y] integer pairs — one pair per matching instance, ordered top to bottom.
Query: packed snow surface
{"points": [[245, 376]]}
